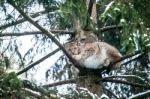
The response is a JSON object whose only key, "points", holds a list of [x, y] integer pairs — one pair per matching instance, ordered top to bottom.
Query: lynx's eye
{"points": [[83, 40]]}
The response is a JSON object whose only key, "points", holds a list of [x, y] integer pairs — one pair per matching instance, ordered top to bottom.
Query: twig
{"points": [[38, 61]]}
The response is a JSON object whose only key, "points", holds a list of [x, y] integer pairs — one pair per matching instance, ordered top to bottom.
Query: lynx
{"points": [[97, 54]]}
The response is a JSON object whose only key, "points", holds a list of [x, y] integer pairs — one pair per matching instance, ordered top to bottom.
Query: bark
{"points": [[92, 83]]}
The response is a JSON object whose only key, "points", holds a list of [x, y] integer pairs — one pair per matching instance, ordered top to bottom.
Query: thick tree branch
{"points": [[23, 20], [37, 62]]}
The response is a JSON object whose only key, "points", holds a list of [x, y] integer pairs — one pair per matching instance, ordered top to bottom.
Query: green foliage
{"points": [[143, 8], [76, 9], [134, 34], [10, 85]]}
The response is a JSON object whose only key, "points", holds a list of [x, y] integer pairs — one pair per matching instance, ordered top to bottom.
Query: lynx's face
{"points": [[86, 37], [73, 48]]}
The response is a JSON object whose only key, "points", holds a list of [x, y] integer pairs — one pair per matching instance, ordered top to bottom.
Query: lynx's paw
{"points": [[106, 62]]}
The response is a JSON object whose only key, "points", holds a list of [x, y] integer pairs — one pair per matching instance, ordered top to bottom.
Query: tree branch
{"points": [[90, 6], [23, 20], [109, 28], [104, 29], [36, 32], [49, 34], [37, 62], [129, 76], [106, 79], [60, 83], [109, 91], [32, 93]]}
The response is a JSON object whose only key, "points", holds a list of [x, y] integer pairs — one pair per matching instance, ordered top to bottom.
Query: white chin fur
{"points": [[95, 61]]}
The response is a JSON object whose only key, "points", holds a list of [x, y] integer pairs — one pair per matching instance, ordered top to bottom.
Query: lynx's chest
{"points": [[95, 61]]}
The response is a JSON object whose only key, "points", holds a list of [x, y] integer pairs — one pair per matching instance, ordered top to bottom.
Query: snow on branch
{"points": [[130, 76], [140, 95]]}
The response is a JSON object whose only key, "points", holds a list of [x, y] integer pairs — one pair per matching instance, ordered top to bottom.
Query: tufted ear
{"points": [[86, 37]]}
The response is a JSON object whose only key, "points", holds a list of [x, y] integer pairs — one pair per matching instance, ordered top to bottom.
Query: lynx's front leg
{"points": [[106, 62]]}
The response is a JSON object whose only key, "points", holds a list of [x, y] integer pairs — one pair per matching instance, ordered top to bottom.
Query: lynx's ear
{"points": [[86, 37]]}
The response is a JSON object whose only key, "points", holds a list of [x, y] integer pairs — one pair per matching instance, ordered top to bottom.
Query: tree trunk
{"points": [[90, 81]]}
